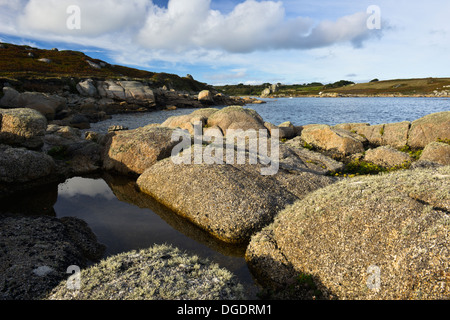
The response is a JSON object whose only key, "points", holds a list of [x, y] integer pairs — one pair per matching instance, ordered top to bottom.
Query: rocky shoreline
{"points": [[320, 221]]}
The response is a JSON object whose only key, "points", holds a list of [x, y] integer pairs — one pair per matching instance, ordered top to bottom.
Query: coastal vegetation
{"points": [[34, 69], [375, 87]]}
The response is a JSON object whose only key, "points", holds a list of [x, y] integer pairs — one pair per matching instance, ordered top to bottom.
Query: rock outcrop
{"points": [[46, 104], [236, 117], [22, 127], [429, 129], [339, 141], [133, 151], [19, 165], [230, 200], [378, 237], [36, 252], [158, 273]]}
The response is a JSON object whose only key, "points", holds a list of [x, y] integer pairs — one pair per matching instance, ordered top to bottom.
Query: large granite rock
{"points": [[130, 91], [206, 96], [46, 104], [236, 117], [22, 127], [429, 129], [396, 134], [339, 141], [133, 151], [437, 152], [76, 155], [387, 157], [18, 165], [233, 200], [375, 237], [36, 252], [158, 273]]}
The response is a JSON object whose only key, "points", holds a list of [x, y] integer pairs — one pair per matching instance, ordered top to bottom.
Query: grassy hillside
{"points": [[22, 63], [400, 86], [407, 87], [283, 90]]}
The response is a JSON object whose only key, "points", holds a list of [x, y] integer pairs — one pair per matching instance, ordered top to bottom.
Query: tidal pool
{"points": [[124, 219]]}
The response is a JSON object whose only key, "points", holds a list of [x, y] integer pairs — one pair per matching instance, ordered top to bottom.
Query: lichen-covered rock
{"points": [[130, 91], [206, 96], [48, 105], [236, 114], [185, 122], [22, 127], [429, 129], [373, 134], [395, 134], [336, 140], [133, 151], [437, 152], [75, 154], [387, 157], [316, 161], [18, 165], [231, 200], [375, 237], [35, 253], [158, 273]]}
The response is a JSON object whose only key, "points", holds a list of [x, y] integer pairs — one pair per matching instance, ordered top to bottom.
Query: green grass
{"points": [[362, 168]]}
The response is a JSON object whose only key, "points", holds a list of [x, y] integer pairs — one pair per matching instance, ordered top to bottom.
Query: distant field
{"points": [[399, 86], [389, 87]]}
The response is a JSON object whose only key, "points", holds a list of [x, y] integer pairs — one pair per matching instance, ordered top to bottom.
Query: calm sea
{"points": [[302, 111]]}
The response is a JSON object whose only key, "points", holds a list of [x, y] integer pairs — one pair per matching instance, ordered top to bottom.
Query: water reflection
{"points": [[79, 187], [33, 202], [125, 219]]}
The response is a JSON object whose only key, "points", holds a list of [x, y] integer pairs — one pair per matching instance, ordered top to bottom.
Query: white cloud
{"points": [[97, 17], [184, 25], [251, 26]]}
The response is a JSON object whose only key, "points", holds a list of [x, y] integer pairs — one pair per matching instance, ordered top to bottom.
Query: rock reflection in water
{"points": [[35, 202], [125, 219]]}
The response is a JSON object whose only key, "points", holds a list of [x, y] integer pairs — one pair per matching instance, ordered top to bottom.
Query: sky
{"points": [[244, 41]]}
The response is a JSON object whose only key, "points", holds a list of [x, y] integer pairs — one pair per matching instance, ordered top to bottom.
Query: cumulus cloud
{"points": [[97, 17], [180, 27], [249, 27]]}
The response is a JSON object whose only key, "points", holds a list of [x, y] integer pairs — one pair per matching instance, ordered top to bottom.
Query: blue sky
{"points": [[245, 41]]}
